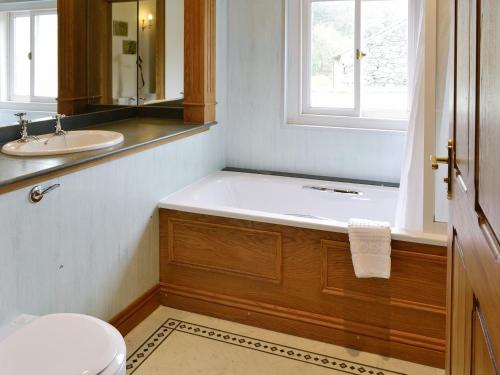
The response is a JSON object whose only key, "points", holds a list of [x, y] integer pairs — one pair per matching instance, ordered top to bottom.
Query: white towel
{"points": [[370, 248]]}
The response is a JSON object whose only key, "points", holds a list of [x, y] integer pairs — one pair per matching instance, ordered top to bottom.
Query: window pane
{"points": [[21, 50], [332, 54], [46, 55], [385, 67]]}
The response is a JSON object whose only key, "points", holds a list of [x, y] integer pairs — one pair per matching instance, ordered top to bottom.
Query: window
{"points": [[33, 55], [348, 63]]}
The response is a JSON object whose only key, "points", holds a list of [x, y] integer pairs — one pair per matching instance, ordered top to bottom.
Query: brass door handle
{"points": [[360, 54], [436, 160]]}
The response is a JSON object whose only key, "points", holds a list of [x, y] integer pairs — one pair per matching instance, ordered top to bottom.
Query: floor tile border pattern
{"points": [[137, 358]]}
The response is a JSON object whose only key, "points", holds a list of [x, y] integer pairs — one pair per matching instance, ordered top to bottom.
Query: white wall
{"points": [[258, 139], [92, 245]]}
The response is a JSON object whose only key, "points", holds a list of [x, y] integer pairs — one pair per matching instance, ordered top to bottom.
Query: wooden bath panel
{"points": [[222, 248], [407, 273], [300, 281]]}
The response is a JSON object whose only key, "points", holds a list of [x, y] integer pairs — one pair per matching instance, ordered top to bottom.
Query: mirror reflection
{"points": [[161, 51], [124, 52], [136, 52], [28, 60]]}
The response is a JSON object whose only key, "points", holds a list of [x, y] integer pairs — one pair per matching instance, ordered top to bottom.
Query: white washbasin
{"points": [[74, 141]]}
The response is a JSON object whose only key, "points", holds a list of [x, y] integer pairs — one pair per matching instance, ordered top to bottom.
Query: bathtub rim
{"points": [[331, 225]]}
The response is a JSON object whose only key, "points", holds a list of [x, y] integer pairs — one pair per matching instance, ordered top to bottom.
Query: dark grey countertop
{"points": [[137, 132]]}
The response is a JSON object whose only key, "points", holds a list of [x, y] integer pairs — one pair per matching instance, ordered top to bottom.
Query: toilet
{"points": [[63, 344]]}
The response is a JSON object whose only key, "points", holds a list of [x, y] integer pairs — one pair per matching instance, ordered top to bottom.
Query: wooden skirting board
{"points": [[300, 281], [137, 311], [391, 343]]}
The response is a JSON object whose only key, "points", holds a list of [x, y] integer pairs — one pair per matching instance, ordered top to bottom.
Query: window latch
{"points": [[360, 54], [30, 55]]}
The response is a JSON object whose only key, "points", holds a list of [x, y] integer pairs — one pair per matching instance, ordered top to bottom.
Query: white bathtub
{"points": [[7, 116], [312, 204]]}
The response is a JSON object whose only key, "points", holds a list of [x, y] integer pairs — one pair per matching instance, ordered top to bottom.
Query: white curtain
{"points": [[409, 212]]}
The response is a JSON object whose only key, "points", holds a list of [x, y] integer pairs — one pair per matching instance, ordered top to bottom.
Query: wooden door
{"points": [[474, 251]]}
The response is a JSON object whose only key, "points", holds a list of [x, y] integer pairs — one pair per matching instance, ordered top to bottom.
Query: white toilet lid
{"points": [[59, 344]]}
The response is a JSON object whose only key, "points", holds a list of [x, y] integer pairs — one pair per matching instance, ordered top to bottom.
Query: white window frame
{"points": [[298, 52], [32, 98]]}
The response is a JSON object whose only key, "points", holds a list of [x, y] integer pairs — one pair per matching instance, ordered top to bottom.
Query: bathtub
{"points": [[7, 116], [305, 203], [273, 252]]}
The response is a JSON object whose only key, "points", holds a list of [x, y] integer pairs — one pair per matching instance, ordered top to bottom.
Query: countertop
{"points": [[137, 132]]}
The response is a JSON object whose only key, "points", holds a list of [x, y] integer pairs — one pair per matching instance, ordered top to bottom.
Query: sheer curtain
{"points": [[409, 211]]}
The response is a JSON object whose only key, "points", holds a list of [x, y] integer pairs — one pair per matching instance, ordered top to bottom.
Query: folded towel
{"points": [[370, 248]]}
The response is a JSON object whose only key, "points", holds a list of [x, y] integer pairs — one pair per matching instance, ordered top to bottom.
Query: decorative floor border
{"points": [[137, 358]]}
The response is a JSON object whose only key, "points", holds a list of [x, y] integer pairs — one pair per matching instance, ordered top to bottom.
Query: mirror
{"points": [[135, 52], [161, 56], [28, 60]]}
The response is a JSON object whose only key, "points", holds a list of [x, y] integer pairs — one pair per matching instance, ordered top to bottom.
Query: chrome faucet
{"points": [[137, 101], [58, 119], [24, 128], [59, 131]]}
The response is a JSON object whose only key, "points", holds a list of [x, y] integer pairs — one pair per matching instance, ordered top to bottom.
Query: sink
{"points": [[74, 141]]}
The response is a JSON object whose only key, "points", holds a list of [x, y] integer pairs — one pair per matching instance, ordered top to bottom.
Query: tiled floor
{"points": [[177, 342]]}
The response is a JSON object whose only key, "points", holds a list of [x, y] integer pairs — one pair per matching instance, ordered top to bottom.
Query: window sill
{"points": [[30, 106], [346, 122]]}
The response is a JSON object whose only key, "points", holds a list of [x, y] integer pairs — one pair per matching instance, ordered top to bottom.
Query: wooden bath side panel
{"points": [[221, 248], [416, 279], [301, 281]]}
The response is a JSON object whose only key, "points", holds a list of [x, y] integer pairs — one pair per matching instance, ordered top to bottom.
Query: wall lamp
{"points": [[149, 25]]}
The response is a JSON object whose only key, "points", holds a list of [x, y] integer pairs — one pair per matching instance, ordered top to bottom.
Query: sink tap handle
{"points": [[20, 115], [58, 117], [24, 126]]}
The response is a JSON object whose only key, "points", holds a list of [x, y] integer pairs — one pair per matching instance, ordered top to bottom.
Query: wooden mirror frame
{"points": [[199, 59]]}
